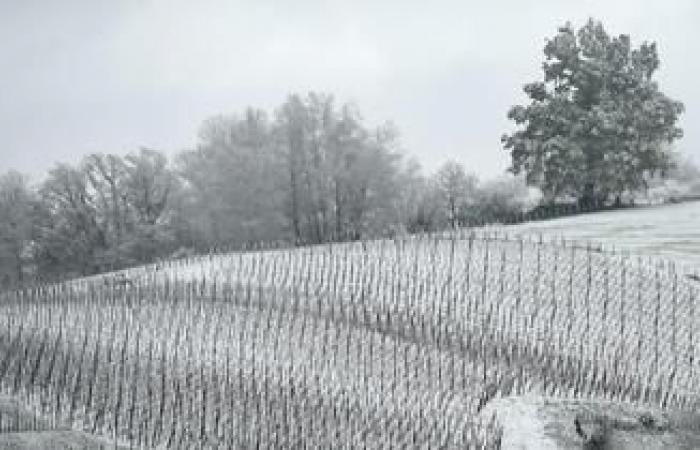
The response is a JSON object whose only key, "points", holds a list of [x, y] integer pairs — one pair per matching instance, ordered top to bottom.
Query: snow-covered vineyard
{"points": [[379, 344]]}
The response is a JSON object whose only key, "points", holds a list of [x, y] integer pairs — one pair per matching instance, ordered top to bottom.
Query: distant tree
{"points": [[597, 125], [306, 129], [291, 132], [685, 170], [106, 174], [313, 174], [342, 177], [233, 182], [148, 184], [456, 190], [503, 199], [412, 203], [109, 212], [427, 213], [17, 214], [71, 236]]}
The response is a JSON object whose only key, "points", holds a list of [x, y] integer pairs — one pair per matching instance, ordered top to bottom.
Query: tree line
{"points": [[311, 172]]}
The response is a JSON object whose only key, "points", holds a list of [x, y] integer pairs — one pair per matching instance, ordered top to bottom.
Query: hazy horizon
{"points": [[95, 76]]}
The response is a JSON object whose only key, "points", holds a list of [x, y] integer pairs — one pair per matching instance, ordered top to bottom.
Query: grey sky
{"points": [[109, 76]]}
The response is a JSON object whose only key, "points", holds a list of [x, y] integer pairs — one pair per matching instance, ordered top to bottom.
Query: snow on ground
{"points": [[667, 231], [523, 427]]}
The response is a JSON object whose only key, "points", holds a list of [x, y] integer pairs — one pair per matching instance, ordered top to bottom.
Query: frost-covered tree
{"points": [[597, 124], [343, 178], [233, 182], [456, 190], [108, 212], [17, 214], [71, 235]]}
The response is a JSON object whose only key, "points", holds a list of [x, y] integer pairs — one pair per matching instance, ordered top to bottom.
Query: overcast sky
{"points": [[110, 76]]}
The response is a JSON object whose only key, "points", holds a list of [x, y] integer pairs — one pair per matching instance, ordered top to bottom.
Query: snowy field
{"points": [[667, 231]]}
